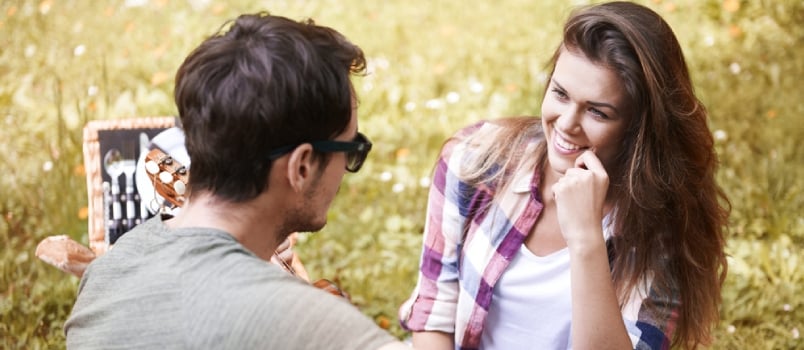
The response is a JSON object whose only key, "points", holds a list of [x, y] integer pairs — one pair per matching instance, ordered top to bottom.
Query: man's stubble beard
{"points": [[305, 218]]}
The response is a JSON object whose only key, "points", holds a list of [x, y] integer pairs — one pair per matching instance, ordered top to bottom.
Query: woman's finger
{"points": [[589, 160]]}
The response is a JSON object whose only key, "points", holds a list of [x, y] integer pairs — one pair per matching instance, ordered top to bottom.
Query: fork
{"points": [[129, 166]]}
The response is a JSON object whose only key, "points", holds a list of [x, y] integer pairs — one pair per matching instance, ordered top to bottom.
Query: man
{"points": [[270, 121]]}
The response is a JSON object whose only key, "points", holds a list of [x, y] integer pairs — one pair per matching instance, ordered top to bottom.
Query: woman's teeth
{"points": [[561, 142]]}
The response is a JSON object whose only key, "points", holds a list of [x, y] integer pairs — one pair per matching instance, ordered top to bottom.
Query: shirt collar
{"points": [[525, 179], [521, 182]]}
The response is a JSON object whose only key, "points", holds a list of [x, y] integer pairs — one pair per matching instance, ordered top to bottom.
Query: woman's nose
{"points": [[569, 121]]}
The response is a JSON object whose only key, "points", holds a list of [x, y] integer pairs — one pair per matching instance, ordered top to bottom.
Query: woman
{"points": [[599, 225]]}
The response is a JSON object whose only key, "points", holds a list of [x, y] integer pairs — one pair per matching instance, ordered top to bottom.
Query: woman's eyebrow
{"points": [[592, 103], [603, 104]]}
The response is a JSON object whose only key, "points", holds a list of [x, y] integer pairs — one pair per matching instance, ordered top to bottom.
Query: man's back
{"points": [[199, 288]]}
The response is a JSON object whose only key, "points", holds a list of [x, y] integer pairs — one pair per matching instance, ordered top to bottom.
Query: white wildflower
{"points": [[135, 3], [709, 40], [30, 50], [79, 50], [381, 62], [734, 67], [476, 87], [453, 97], [434, 104], [720, 135], [398, 187]]}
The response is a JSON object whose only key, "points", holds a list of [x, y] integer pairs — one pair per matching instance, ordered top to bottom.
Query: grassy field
{"points": [[435, 66]]}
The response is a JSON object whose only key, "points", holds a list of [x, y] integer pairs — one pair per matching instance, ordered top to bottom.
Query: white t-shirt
{"points": [[532, 305]]}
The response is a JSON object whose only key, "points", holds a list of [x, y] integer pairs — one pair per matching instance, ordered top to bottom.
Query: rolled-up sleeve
{"points": [[651, 328]]}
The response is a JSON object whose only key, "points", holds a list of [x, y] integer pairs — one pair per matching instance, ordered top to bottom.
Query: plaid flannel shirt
{"points": [[466, 250]]}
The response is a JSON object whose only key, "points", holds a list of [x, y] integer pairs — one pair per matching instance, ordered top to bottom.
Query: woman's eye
{"points": [[560, 94], [598, 114]]}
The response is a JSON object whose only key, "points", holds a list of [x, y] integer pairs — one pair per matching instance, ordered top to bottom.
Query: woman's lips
{"points": [[563, 146]]}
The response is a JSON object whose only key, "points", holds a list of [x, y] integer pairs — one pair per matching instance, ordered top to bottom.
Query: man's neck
{"points": [[251, 223]]}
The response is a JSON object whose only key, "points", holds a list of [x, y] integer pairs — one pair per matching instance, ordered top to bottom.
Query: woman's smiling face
{"points": [[585, 108]]}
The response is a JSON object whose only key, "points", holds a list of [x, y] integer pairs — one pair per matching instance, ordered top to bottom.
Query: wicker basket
{"points": [[100, 136]]}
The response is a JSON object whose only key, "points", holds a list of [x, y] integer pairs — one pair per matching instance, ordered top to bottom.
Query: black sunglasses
{"points": [[356, 150]]}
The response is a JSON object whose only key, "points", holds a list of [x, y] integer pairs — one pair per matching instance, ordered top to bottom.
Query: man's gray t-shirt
{"points": [[200, 289]]}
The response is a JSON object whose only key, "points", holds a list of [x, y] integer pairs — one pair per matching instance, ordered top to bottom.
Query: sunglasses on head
{"points": [[356, 150]]}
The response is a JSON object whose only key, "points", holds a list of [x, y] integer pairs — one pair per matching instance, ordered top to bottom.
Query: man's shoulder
{"points": [[271, 314]]}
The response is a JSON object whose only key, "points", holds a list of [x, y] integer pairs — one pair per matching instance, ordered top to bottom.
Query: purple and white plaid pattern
{"points": [[461, 261]]}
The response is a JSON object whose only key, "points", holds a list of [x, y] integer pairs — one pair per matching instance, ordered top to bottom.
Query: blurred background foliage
{"points": [[434, 66]]}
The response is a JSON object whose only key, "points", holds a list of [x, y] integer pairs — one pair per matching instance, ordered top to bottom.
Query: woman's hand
{"points": [[580, 196], [283, 255], [432, 340]]}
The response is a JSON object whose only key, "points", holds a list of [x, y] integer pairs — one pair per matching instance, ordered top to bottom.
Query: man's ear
{"points": [[300, 166]]}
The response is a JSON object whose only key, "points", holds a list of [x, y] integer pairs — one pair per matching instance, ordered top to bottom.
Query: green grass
{"points": [[65, 63]]}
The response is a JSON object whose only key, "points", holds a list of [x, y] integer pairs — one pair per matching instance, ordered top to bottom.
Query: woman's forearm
{"points": [[597, 322]]}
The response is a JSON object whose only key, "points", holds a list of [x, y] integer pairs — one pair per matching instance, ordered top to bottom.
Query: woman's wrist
{"points": [[587, 246]]}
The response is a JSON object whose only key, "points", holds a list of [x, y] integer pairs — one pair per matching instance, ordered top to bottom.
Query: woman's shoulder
{"points": [[489, 127], [486, 133], [469, 142], [485, 150]]}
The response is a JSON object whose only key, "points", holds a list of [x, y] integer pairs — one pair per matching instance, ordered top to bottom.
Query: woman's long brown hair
{"points": [[670, 214]]}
